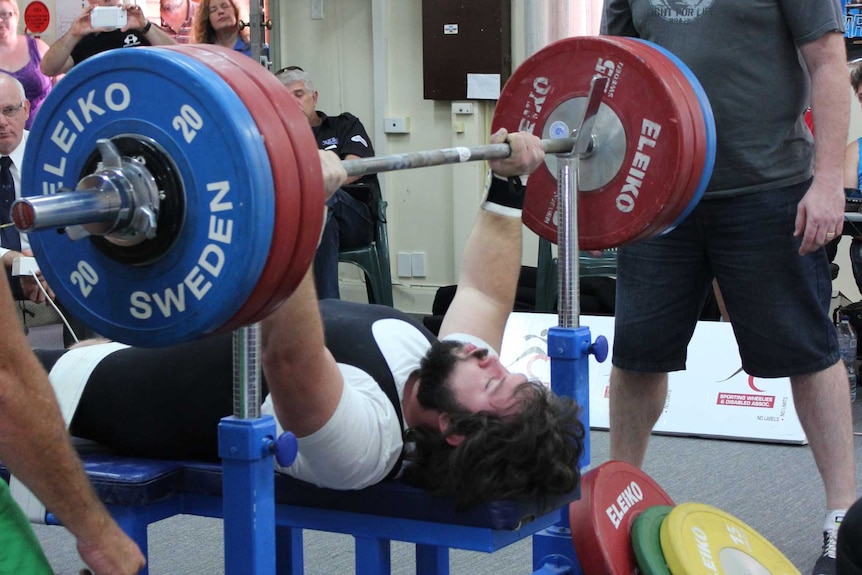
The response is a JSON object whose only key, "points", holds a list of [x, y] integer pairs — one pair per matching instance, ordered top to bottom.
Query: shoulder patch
{"points": [[359, 140]]}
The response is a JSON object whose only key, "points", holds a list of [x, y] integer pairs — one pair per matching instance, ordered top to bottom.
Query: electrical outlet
{"points": [[317, 9], [462, 107], [396, 125], [404, 264], [417, 264]]}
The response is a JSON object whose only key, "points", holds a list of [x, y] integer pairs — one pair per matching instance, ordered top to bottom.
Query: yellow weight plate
{"points": [[700, 539]]}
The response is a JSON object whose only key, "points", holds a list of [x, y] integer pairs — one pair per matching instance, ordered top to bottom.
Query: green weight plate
{"points": [[646, 540]]}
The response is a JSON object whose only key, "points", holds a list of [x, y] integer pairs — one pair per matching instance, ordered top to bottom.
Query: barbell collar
{"points": [[583, 146], [428, 158], [120, 201]]}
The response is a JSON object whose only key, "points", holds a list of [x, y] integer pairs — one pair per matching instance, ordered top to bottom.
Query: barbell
{"points": [[185, 187]]}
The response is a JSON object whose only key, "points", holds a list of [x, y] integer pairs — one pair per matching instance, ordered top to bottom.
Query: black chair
{"points": [[373, 259]]}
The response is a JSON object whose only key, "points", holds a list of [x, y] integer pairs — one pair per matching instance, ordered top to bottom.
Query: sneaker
{"points": [[825, 564]]}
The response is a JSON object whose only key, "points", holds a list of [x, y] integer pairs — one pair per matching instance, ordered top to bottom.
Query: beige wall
{"points": [[366, 57]]}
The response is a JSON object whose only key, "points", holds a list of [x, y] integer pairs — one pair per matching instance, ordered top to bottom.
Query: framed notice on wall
{"points": [[853, 28]]}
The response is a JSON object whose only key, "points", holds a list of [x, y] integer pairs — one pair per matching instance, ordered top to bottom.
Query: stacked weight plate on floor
{"points": [[653, 141], [237, 169], [612, 496], [694, 538], [646, 540]]}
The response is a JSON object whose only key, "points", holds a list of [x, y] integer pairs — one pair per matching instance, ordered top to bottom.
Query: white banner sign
{"points": [[713, 397]]}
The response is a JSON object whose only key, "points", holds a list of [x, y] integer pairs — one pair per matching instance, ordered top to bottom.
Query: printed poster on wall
{"points": [[713, 397]]}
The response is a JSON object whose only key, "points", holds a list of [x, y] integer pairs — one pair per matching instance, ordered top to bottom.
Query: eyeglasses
{"points": [[6, 15], [289, 69], [11, 111]]}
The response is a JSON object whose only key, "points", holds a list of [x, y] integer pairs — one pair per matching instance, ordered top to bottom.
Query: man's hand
{"points": [[135, 18], [81, 25], [527, 153], [334, 174], [820, 215], [31, 288], [113, 554]]}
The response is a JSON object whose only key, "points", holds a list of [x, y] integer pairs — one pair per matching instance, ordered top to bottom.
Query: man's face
{"points": [[307, 100], [13, 114], [480, 382]]}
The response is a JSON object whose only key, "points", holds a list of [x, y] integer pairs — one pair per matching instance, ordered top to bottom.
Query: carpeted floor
{"points": [[773, 488]]}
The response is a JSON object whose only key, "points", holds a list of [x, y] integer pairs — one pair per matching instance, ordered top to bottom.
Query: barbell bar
{"points": [[429, 158], [227, 168], [106, 201]]}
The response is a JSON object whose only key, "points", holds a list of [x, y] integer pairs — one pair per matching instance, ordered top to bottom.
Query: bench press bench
{"points": [[139, 492], [263, 519]]}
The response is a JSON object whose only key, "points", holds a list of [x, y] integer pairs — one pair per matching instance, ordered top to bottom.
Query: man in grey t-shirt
{"points": [[774, 200]]}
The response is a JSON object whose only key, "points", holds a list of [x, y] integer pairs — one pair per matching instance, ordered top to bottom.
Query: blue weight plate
{"points": [[709, 124], [222, 244]]}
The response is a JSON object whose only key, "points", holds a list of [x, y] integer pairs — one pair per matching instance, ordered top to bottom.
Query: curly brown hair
{"points": [[202, 30], [856, 74], [531, 453]]}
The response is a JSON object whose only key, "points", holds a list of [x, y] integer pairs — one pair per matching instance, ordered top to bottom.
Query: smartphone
{"points": [[108, 17]]}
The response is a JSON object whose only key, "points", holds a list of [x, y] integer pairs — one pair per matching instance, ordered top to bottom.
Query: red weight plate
{"points": [[705, 128], [699, 151], [307, 159], [683, 164], [690, 164], [633, 172], [688, 173], [285, 174], [270, 293], [612, 495]]}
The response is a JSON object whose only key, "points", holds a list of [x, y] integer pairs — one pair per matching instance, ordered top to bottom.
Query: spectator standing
{"points": [[178, 18], [217, 22], [83, 41], [20, 57], [774, 200]]}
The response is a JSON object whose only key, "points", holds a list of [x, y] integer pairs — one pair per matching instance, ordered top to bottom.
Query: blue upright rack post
{"points": [[245, 446]]}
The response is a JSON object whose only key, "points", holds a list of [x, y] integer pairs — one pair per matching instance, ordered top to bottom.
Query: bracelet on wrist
{"points": [[148, 26]]}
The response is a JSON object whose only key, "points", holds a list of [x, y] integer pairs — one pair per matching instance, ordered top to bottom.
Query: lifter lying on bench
{"points": [[357, 383]]}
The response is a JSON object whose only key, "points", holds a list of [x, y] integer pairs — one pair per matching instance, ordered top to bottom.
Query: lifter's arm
{"points": [[492, 256], [304, 380]]}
